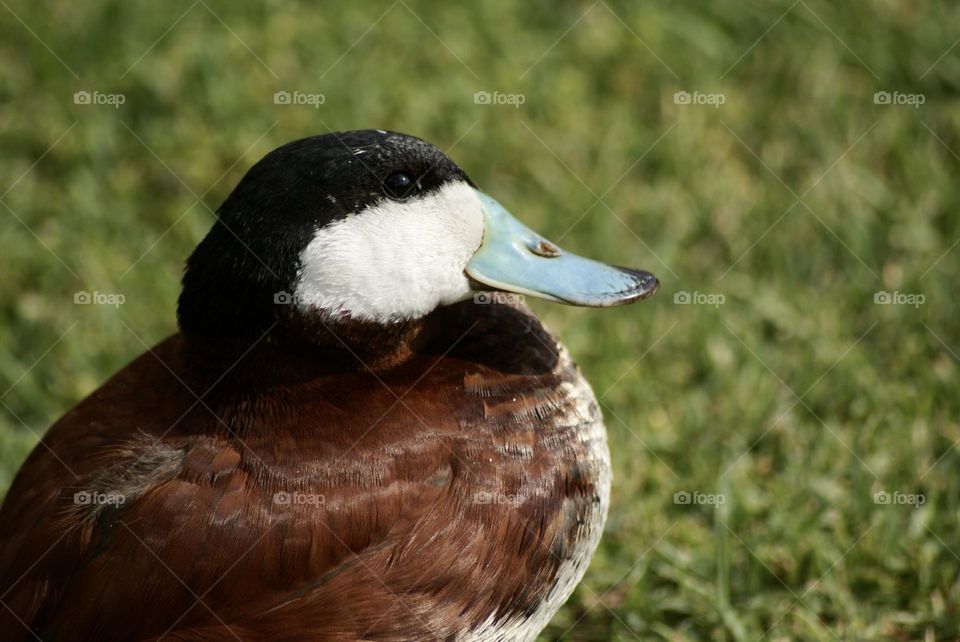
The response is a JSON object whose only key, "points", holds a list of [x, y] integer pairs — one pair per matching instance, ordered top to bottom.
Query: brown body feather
{"points": [[457, 494]]}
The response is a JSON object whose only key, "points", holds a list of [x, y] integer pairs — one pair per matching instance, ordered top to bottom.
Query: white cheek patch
{"points": [[396, 260]]}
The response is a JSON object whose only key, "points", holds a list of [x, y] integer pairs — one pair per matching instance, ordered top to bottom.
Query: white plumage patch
{"points": [[395, 260]]}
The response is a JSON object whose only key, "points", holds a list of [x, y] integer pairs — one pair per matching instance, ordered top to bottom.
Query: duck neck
{"points": [[353, 343], [308, 347]]}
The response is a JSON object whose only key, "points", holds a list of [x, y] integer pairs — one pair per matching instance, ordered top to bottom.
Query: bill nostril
{"points": [[544, 248]]}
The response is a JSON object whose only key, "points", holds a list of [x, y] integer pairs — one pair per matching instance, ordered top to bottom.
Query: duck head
{"points": [[377, 228]]}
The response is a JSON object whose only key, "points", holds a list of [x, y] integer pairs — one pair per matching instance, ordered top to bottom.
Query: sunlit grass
{"points": [[797, 199]]}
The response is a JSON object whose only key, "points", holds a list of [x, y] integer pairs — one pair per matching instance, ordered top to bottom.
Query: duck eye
{"points": [[398, 185]]}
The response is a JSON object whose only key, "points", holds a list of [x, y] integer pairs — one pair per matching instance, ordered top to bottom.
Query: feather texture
{"points": [[456, 495]]}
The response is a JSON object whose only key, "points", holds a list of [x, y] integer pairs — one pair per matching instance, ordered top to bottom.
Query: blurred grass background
{"points": [[698, 398]]}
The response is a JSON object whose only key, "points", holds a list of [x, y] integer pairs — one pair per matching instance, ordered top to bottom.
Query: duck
{"points": [[360, 431]]}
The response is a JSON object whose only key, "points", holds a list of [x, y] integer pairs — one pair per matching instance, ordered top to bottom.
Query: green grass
{"points": [[697, 397]]}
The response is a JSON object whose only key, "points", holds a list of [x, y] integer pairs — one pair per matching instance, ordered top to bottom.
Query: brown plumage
{"points": [[423, 499]]}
